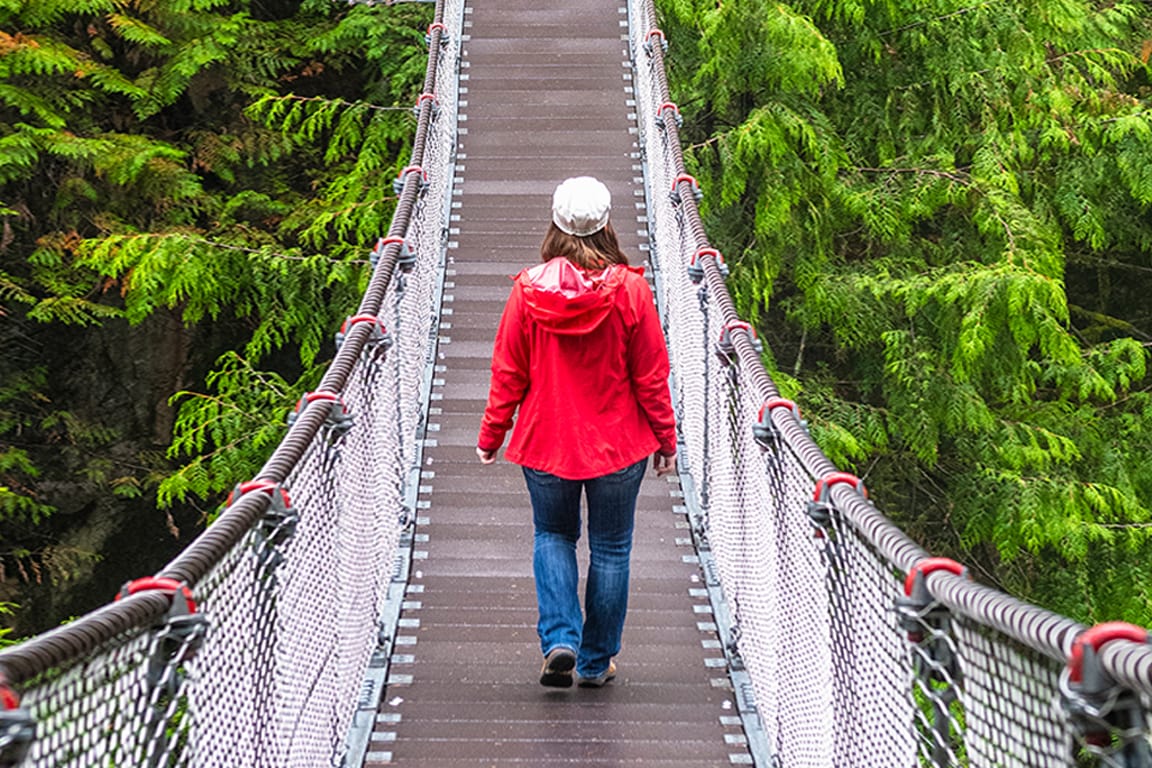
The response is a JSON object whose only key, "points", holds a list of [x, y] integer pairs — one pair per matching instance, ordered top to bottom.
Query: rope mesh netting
{"points": [[289, 584], [861, 650], [850, 665]]}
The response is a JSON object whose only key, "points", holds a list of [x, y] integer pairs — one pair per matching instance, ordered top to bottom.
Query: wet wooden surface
{"points": [[548, 95]]}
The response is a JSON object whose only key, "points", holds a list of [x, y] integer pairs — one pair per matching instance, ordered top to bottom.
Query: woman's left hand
{"points": [[486, 457], [664, 465]]}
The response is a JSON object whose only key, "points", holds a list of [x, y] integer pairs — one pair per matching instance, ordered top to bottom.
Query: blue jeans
{"points": [[556, 515]]}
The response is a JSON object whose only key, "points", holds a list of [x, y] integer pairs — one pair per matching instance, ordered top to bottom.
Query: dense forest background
{"points": [[188, 190], [937, 214]]}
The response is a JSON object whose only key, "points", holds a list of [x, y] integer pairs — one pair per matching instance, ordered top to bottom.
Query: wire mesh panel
{"points": [[776, 584], [872, 680], [93, 712], [1012, 717]]}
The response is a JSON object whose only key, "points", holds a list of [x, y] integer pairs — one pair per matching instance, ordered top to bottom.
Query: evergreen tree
{"points": [[221, 166], [939, 214]]}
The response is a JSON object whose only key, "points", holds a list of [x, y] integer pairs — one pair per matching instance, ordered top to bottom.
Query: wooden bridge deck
{"points": [[547, 96]]}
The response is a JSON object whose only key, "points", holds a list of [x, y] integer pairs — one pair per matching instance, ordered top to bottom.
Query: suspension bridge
{"points": [[367, 599]]}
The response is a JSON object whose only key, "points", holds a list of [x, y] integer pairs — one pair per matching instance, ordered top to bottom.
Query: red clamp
{"points": [[433, 27], [655, 33], [429, 97], [660, 114], [413, 169], [402, 177], [675, 193], [404, 259], [696, 270], [363, 318], [379, 332], [726, 346], [311, 397], [773, 403], [338, 417], [763, 430], [824, 485], [267, 486], [820, 508], [914, 580], [169, 587], [917, 610], [924, 619], [1095, 638], [9, 699], [1099, 707], [17, 725]]}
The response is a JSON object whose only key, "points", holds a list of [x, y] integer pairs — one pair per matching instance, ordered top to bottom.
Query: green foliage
{"points": [[220, 165], [941, 214], [225, 433], [6, 639]]}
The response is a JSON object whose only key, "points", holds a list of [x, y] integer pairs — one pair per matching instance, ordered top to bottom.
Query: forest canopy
{"points": [[188, 189], [938, 214]]}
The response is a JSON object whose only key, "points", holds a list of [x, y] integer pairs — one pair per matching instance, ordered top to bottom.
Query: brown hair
{"points": [[594, 251]]}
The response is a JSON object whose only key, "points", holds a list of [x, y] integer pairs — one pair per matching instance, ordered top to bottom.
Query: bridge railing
{"points": [[251, 647], [860, 647]]}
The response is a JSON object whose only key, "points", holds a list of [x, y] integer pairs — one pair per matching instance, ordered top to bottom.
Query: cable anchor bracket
{"points": [[440, 27], [649, 47], [420, 105], [661, 121], [402, 179], [674, 195], [405, 259], [696, 268], [378, 335], [726, 345], [340, 420], [764, 431], [820, 506], [278, 524], [919, 610], [180, 635], [1110, 719], [17, 727]]}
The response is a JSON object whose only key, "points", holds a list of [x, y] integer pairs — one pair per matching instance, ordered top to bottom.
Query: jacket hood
{"points": [[568, 300]]}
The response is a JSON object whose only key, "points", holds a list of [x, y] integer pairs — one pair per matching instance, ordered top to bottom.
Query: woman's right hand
{"points": [[486, 457], [664, 465]]}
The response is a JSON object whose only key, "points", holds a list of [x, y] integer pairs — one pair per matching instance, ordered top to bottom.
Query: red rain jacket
{"points": [[583, 357]]}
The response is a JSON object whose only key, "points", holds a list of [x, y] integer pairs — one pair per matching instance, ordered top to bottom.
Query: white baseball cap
{"points": [[580, 206]]}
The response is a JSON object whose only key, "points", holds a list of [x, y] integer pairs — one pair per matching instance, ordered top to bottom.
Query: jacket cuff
{"points": [[489, 442]]}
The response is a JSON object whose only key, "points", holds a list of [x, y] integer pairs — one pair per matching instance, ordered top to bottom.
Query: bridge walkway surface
{"points": [[545, 94]]}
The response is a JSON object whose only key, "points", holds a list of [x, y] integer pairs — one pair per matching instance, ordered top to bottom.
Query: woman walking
{"points": [[580, 353]]}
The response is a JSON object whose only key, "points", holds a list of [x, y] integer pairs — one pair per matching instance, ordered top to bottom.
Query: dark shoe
{"points": [[557, 669], [600, 680]]}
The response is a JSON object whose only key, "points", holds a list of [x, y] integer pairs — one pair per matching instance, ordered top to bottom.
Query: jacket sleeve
{"points": [[648, 366], [509, 373]]}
